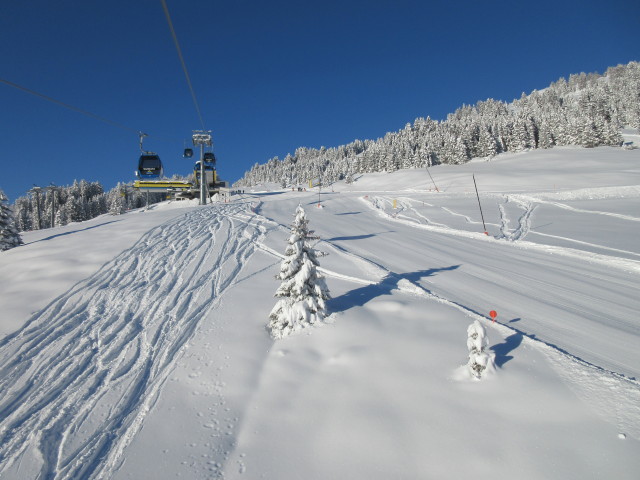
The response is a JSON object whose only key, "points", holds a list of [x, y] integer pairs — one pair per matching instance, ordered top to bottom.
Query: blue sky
{"points": [[270, 76]]}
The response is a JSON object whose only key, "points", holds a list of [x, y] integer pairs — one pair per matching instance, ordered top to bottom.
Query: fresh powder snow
{"points": [[136, 345]]}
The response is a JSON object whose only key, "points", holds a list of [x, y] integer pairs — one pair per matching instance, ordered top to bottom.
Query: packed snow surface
{"points": [[135, 346]]}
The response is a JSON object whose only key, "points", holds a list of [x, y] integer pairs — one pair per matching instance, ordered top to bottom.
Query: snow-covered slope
{"points": [[135, 346]]}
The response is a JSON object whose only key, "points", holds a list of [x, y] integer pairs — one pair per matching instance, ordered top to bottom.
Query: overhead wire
{"points": [[184, 65], [68, 106], [87, 113], [104, 119]]}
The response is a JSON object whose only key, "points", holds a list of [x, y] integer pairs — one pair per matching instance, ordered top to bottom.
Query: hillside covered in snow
{"points": [[587, 110], [135, 345]]}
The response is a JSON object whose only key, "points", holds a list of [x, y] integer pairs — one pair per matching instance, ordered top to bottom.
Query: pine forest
{"points": [[587, 110]]}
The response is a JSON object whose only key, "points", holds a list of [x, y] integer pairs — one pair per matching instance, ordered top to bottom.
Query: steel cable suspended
{"points": [[184, 65], [70, 107]]}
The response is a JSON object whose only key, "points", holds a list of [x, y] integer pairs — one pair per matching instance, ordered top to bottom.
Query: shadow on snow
{"points": [[72, 231], [354, 237], [359, 296], [503, 349]]}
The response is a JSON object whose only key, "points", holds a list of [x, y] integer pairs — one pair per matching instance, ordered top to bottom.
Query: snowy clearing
{"points": [[136, 346]]}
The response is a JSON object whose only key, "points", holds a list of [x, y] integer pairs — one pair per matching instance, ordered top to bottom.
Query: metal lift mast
{"points": [[202, 138]]}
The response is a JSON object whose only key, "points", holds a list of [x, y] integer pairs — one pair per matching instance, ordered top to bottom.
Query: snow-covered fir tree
{"points": [[117, 200], [9, 236], [303, 291], [481, 362]]}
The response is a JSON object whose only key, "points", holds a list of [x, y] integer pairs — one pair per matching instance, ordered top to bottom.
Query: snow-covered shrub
{"points": [[9, 236], [303, 290], [481, 362]]}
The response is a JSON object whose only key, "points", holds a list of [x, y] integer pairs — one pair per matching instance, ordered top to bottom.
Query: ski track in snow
{"points": [[564, 206], [406, 211], [524, 222], [609, 260], [77, 382]]}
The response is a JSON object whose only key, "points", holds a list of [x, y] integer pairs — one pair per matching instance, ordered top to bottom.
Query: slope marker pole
{"points": [[434, 183], [481, 215]]}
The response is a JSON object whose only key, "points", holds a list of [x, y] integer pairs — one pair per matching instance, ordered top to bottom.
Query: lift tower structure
{"points": [[202, 138]]}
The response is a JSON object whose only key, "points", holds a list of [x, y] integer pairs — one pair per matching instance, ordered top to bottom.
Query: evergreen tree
{"points": [[487, 145], [117, 200], [75, 209], [22, 211], [36, 211], [61, 215], [9, 236], [303, 290]]}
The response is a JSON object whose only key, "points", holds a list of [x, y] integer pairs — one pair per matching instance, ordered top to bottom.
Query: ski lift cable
{"points": [[184, 65], [70, 107], [79, 110]]}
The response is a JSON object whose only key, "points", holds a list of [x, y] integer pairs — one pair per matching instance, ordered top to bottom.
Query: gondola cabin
{"points": [[209, 157], [149, 166], [209, 172]]}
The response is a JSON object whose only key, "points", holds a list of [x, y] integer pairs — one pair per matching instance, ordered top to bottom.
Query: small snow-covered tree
{"points": [[117, 200], [9, 236], [303, 290], [480, 361]]}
